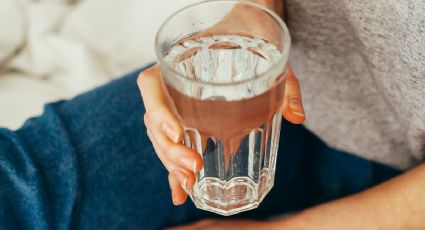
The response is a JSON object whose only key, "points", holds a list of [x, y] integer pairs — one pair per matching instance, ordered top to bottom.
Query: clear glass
{"points": [[227, 91]]}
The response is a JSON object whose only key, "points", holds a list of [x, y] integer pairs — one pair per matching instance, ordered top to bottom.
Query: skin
{"points": [[163, 128], [166, 134], [396, 204], [225, 224]]}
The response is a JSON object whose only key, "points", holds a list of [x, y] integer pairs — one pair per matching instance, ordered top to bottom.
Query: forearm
{"points": [[396, 204]]}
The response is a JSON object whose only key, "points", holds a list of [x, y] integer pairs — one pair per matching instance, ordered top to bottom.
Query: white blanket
{"points": [[54, 49]]}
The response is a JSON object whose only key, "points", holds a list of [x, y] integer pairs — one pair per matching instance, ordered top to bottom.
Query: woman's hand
{"points": [[162, 126], [166, 133]]}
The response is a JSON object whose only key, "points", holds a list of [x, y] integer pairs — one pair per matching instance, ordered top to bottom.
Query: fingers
{"points": [[156, 103], [293, 109], [163, 126], [165, 133], [174, 156], [185, 176], [180, 179], [177, 180]]}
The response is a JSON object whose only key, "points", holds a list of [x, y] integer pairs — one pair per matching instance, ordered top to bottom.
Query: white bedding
{"points": [[54, 49]]}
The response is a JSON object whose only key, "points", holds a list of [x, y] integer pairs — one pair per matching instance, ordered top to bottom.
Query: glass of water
{"points": [[227, 89]]}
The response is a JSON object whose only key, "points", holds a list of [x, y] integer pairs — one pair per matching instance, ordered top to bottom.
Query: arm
{"points": [[396, 204]]}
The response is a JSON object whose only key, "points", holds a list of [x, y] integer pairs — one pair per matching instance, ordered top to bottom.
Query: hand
{"points": [[244, 20], [163, 128], [166, 134], [226, 225]]}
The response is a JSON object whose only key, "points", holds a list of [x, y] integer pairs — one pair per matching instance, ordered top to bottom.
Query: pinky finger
{"points": [[178, 195]]}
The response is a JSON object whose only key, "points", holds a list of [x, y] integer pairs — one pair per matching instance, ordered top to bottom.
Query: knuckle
{"points": [[147, 73], [140, 79], [291, 79], [159, 114], [146, 118], [154, 118], [148, 132], [151, 138], [159, 145], [173, 150], [168, 166], [171, 178]]}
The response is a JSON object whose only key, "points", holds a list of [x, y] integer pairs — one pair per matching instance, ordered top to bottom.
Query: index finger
{"points": [[152, 88], [156, 100]]}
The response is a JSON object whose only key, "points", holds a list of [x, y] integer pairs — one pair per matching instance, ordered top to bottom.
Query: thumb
{"points": [[293, 109]]}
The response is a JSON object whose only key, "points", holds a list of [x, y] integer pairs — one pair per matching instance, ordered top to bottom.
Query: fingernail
{"points": [[296, 107], [168, 129], [189, 163]]}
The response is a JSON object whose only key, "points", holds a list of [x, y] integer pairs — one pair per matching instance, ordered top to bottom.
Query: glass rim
{"points": [[284, 53]]}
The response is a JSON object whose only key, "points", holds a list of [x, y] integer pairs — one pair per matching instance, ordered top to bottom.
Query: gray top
{"points": [[361, 65]]}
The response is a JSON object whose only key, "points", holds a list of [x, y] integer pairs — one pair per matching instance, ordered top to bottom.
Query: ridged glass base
{"points": [[237, 180], [231, 197]]}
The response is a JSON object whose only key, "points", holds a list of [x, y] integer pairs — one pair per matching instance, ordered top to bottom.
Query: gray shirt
{"points": [[361, 65]]}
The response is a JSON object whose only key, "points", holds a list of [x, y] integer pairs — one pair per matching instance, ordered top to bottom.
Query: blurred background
{"points": [[56, 49]]}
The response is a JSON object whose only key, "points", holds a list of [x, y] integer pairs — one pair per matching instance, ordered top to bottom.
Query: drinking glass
{"points": [[227, 90]]}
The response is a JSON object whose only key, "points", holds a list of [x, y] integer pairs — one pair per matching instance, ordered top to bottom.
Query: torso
{"points": [[361, 65]]}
